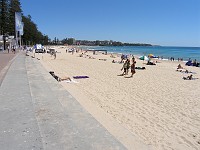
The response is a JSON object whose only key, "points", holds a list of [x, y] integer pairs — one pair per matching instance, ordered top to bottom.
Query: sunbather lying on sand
{"points": [[112, 56], [90, 57], [103, 59], [114, 61], [151, 63], [140, 68], [181, 70], [185, 71], [55, 76], [190, 77], [59, 78], [65, 78]]}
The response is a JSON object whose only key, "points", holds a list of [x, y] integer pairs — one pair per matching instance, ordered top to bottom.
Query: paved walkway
{"points": [[5, 61], [38, 113]]}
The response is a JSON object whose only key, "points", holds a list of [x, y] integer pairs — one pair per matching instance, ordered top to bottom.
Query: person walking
{"points": [[126, 67], [133, 67]]}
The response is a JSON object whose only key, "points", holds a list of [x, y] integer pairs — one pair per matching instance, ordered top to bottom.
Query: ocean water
{"points": [[161, 51]]}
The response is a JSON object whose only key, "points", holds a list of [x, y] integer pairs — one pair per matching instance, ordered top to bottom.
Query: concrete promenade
{"points": [[5, 61], [38, 113]]}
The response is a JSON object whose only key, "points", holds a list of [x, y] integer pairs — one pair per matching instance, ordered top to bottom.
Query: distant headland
{"points": [[72, 41]]}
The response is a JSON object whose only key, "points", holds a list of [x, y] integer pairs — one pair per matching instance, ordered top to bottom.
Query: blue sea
{"points": [[161, 51]]}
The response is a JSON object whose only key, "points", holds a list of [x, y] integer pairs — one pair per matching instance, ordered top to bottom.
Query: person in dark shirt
{"points": [[133, 67]]}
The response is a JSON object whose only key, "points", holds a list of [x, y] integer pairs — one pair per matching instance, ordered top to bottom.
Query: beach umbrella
{"points": [[150, 55], [144, 58]]}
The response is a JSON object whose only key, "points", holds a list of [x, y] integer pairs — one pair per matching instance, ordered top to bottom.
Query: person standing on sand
{"points": [[54, 55], [122, 58], [126, 67], [133, 67]]}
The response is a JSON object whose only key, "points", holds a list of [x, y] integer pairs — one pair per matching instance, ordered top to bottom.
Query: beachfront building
{"points": [[6, 42], [94, 43]]}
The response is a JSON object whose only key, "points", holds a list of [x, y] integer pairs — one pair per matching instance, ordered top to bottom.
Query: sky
{"points": [[157, 22]]}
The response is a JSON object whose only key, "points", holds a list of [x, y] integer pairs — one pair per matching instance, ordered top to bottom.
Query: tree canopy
{"points": [[4, 16], [7, 23]]}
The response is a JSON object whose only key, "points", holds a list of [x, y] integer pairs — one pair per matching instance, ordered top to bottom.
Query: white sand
{"points": [[156, 106]]}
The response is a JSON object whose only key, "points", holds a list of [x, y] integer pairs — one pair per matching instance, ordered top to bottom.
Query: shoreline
{"points": [[145, 53]]}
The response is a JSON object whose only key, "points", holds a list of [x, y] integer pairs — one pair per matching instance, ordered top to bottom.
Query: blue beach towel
{"points": [[80, 77]]}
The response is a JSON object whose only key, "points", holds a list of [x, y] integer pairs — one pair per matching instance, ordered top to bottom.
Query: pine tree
{"points": [[4, 17], [7, 23], [31, 32]]}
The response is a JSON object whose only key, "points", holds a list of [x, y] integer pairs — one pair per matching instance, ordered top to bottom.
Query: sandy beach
{"points": [[157, 106]]}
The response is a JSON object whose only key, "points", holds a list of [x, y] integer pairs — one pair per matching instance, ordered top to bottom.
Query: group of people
{"points": [[13, 49], [72, 50], [86, 56], [123, 57], [172, 58], [180, 59], [195, 63], [127, 65], [181, 69]]}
